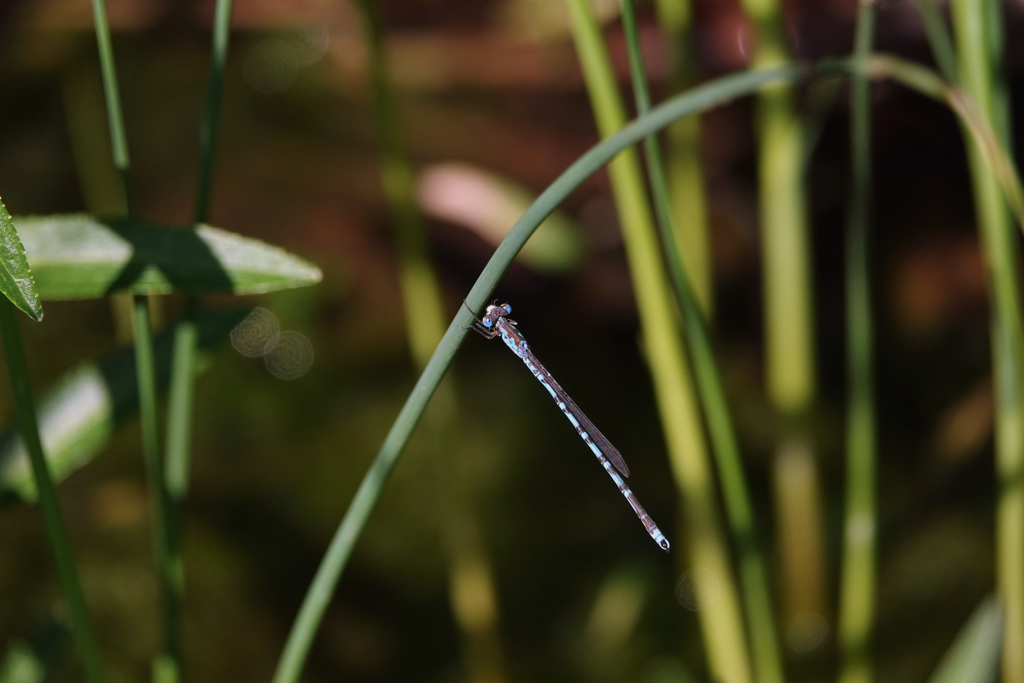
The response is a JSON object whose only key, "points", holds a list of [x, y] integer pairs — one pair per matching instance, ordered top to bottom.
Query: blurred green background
{"points": [[582, 593]]}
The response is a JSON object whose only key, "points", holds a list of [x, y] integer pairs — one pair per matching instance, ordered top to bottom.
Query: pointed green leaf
{"points": [[77, 256], [16, 281], [79, 414], [974, 655]]}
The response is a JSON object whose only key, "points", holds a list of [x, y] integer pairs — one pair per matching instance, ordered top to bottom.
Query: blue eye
{"points": [[508, 309], [488, 322]]}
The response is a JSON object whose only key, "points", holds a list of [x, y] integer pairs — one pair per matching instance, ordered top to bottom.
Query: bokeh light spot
{"points": [[311, 44], [271, 65], [257, 334], [291, 357], [698, 589], [805, 632]]}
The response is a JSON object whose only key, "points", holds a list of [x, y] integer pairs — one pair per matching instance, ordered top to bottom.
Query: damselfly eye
{"points": [[508, 309], [487, 322]]}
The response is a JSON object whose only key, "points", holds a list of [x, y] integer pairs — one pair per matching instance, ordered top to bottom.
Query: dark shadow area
{"points": [[179, 254]]}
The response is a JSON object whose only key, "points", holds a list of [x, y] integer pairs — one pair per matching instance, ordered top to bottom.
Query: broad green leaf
{"points": [[77, 256], [16, 281], [80, 413], [974, 655]]}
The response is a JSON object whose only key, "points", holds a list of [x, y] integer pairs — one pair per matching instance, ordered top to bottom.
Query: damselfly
{"points": [[496, 322]]}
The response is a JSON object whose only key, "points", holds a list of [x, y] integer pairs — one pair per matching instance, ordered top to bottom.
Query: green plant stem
{"points": [[979, 38], [939, 39], [928, 83], [214, 97], [701, 98], [118, 140], [684, 173], [420, 290], [788, 316], [790, 352], [180, 404], [179, 431], [340, 548], [470, 572], [857, 573], [721, 621], [81, 627], [767, 659], [168, 663]]}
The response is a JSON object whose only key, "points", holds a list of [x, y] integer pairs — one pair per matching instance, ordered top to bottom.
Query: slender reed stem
{"points": [[939, 39], [979, 40], [214, 97], [118, 140], [684, 173], [420, 290], [790, 354], [180, 404], [180, 407], [175, 476], [470, 572], [857, 573], [721, 621], [81, 626], [767, 659], [168, 663]]}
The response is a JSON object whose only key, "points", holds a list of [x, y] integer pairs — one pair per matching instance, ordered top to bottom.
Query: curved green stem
{"points": [[702, 98], [319, 594]]}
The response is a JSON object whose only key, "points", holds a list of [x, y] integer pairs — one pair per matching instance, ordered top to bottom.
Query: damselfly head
{"points": [[495, 311]]}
